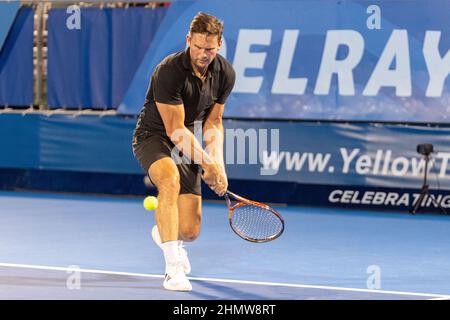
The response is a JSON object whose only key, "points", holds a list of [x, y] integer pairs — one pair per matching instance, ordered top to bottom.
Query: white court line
{"points": [[278, 284]]}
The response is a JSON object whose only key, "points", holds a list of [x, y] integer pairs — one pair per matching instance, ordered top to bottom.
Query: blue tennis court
{"points": [[336, 113], [47, 239]]}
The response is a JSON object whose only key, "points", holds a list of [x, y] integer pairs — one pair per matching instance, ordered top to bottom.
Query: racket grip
{"points": [[227, 199]]}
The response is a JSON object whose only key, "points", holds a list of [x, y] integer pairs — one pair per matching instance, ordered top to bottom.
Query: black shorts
{"points": [[155, 147]]}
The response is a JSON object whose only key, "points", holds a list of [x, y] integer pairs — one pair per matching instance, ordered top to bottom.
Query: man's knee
{"points": [[164, 174], [169, 185], [190, 228], [190, 233]]}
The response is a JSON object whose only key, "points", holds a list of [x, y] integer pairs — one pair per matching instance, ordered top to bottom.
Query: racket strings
{"points": [[256, 222]]}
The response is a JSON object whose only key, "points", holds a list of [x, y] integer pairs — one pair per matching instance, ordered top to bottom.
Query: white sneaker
{"points": [[183, 253], [185, 260], [176, 280]]}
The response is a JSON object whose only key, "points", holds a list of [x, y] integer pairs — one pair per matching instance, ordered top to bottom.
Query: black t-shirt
{"points": [[174, 82]]}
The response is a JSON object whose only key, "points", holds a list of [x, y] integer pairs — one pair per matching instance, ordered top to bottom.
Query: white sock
{"points": [[171, 255]]}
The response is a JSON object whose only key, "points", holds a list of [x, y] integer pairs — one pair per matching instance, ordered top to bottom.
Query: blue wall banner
{"points": [[8, 11], [92, 60], [385, 60], [16, 62], [67, 143], [335, 153], [339, 154], [344, 164]]}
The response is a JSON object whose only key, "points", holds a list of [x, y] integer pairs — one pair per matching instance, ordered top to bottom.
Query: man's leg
{"points": [[165, 175], [189, 212], [190, 215]]}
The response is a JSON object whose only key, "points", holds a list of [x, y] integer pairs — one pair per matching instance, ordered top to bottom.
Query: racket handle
{"points": [[227, 199]]}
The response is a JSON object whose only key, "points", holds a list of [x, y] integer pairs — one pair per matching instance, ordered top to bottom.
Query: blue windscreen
{"points": [[16, 62], [90, 64]]}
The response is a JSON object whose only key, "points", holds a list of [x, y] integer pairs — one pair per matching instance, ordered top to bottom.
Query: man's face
{"points": [[203, 48]]}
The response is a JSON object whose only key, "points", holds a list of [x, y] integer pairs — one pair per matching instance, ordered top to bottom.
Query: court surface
{"points": [[55, 246]]}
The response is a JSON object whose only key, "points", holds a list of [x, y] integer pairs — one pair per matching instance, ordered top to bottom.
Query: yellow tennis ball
{"points": [[150, 203]]}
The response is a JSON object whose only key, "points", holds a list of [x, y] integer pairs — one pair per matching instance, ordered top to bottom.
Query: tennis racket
{"points": [[253, 221]]}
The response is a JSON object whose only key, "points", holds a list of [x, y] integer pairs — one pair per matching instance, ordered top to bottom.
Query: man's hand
{"points": [[215, 177], [222, 185]]}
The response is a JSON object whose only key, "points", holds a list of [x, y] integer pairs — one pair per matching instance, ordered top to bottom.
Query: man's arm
{"points": [[173, 119], [213, 135], [186, 142]]}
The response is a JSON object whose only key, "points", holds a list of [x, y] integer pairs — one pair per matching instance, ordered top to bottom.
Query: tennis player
{"points": [[186, 87]]}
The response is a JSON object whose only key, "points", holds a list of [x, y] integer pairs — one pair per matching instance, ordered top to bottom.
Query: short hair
{"points": [[205, 23]]}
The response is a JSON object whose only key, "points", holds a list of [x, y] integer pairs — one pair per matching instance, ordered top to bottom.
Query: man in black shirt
{"points": [[186, 87]]}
